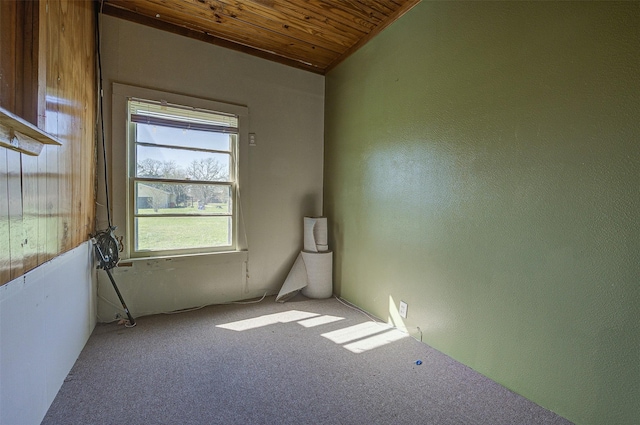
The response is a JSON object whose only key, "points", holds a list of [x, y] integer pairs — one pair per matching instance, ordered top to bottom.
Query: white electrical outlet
{"points": [[403, 309]]}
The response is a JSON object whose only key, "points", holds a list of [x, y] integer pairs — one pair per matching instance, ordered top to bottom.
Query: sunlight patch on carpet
{"points": [[267, 319], [318, 321], [354, 332], [357, 338], [375, 341]]}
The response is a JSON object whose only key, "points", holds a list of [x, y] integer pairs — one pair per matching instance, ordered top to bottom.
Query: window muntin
{"points": [[183, 179]]}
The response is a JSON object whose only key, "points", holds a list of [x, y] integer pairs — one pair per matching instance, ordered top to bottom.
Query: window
{"points": [[182, 170]]}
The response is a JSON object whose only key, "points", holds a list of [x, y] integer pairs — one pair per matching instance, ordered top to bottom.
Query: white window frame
{"points": [[124, 167]]}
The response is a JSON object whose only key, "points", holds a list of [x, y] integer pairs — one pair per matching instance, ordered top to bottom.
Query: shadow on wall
{"points": [[309, 205]]}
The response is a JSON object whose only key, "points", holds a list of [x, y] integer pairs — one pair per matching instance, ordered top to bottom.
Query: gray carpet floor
{"points": [[301, 362]]}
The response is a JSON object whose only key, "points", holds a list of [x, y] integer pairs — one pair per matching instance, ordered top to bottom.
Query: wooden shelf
{"points": [[22, 136]]}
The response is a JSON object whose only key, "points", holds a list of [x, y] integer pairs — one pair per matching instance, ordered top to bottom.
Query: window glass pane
{"points": [[182, 138], [181, 164], [182, 198], [171, 233]]}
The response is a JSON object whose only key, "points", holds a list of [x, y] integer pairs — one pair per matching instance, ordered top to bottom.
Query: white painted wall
{"points": [[284, 172], [172, 283], [46, 317]]}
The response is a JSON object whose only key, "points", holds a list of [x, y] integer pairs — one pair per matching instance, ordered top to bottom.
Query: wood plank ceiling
{"points": [[315, 35]]}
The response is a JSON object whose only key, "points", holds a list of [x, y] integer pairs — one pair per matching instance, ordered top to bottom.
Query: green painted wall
{"points": [[482, 163]]}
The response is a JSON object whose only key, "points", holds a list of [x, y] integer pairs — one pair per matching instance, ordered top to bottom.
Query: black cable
{"points": [[105, 242]]}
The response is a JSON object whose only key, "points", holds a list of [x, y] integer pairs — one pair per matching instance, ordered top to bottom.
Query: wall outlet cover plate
{"points": [[403, 309]]}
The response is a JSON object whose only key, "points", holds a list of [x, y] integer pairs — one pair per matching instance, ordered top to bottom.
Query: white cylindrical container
{"points": [[319, 267]]}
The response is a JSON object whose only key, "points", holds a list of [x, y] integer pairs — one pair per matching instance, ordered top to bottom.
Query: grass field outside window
{"points": [[198, 231]]}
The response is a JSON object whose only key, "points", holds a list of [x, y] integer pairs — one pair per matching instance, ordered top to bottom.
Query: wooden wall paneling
{"points": [[8, 34], [19, 55], [19, 58], [67, 62], [27, 64], [81, 81], [41, 83], [78, 88], [70, 90], [31, 95], [88, 95], [7, 100], [75, 109], [74, 114], [51, 119], [86, 124], [40, 185], [14, 195], [47, 203], [51, 206], [30, 222], [41, 242], [5, 252]]}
